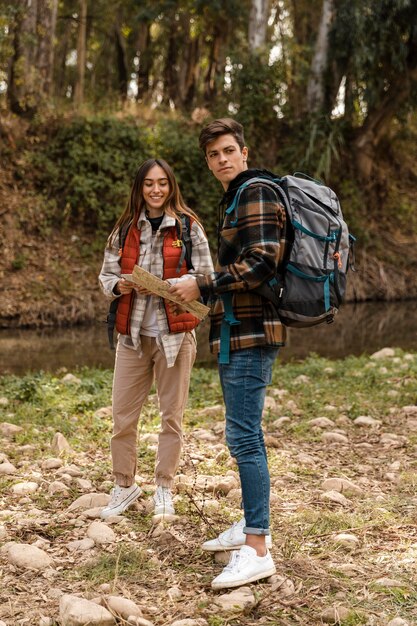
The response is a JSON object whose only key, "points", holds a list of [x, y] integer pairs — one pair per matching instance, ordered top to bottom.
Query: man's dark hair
{"points": [[217, 128]]}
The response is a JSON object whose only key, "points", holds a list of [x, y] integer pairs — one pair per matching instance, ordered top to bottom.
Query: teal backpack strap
{"points": [[228, 321]]}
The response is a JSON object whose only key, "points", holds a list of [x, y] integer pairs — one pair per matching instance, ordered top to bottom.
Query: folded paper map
{"points": [[160, 288]]}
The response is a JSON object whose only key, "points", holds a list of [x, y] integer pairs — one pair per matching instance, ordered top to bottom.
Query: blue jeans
{"points": [[244, 380]]}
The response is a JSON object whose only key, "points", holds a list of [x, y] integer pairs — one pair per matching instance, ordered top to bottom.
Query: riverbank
{"points": [[345, 549]]}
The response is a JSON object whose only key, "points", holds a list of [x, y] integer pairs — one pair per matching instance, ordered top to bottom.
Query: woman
{"points": [[153, 340]]}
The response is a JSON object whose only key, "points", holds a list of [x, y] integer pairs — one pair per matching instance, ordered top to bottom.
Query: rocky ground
{"points": [[342, 450]]}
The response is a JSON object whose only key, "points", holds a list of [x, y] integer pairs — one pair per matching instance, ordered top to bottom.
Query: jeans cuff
{"points": [[255, 531]]}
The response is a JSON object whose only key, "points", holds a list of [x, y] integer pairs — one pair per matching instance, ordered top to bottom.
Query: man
{"points": [[245, 334]]}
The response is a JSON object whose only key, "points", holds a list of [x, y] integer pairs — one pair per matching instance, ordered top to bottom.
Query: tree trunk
{"points": [[258, 22], [46, 25], [81, 53], [144, 53], [216, 62], [122, 69], [191, 73], [171, 77], [316, 83], [22, 84], [378, 120]]}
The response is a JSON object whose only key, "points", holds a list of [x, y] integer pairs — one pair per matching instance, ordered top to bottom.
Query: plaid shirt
{"points": [[249, 254], [151, 259]]}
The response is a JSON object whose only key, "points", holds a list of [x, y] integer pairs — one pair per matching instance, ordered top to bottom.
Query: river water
{"points": [[359, 329]]}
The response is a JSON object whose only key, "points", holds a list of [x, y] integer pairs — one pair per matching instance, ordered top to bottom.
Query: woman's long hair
{"points": [[174, 205]]}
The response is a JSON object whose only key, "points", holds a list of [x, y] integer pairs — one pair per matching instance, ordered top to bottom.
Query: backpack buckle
{"points": [[177, 243]]}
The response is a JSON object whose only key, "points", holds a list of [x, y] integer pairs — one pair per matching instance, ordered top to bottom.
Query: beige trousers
{"points": [[132, 381]]}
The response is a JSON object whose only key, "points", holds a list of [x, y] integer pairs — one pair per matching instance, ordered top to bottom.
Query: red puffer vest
{"points": [[171, 253]]}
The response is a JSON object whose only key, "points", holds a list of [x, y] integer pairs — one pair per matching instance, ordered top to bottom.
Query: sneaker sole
{"points": [[122, 507], [219, 548], [240, 583]]}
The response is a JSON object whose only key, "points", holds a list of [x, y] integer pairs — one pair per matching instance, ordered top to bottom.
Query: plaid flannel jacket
{"points": [[249, 254], [151, 260]]}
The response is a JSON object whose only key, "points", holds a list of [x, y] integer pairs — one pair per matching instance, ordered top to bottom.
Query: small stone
{"points": [[385, 353], [70, 379], [302, 379], [4, 401], [270, 404], [409, 410], [105, 411], [212, 411], [366, 420], [281, 421], [321, 422], [9, 430], [333, 437], [393, 440], [60, 444], [52, 463], [7, 469], [70, 470], [84, 484], [226, 484], [342, 485], [58, 487], [21, 489], [335, 496], [89, 501], [3, 533], [101, 533], [347, 540], [81, 545], [27, 556], [222, 558], [390, 583], [284, 586], [175, 594], [237, 601], [122, 607], [75, 611], [335, 614], [45, 621], [138, 621], [397, 621], [190, 622]]}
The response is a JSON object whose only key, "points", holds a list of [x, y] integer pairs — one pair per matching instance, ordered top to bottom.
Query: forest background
{"points": [[88, 89]]}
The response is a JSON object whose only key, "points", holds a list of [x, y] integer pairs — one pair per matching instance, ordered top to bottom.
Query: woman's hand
{"points": [[126, 286], [186, 290]]}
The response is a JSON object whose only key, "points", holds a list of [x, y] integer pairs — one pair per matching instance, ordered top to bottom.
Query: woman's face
{"points": [[155, 190]]}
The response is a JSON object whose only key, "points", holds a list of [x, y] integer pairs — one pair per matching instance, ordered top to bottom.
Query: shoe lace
{"points": [[115, 495], [162, 496], [235, 562]]}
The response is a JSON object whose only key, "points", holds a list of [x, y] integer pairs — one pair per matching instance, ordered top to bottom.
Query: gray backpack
{"points": [[313, 285]]}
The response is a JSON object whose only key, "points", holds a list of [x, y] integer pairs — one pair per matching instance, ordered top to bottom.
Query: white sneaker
{"points": [[121, 499], [163, 501], [231, 539], [244, 567]]}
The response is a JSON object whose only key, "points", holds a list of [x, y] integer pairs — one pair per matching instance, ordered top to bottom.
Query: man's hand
{"points": [[186, 290]]}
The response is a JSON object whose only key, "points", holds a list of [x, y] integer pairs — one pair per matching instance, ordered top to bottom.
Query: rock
{"points": [[385, 353], [70, 379], [302, 379], [4, 401], [270, 404], [291, 406], [216, 410], [409, 410], [105, 411], [366, 420], [281, 421], [321, 422], [9, 430], [202, 434], [333, 437], [393, 440], [60, 444], [306, 459], [52, 463], [7, 469], [70, 470], [205, 483], [84, 484], [224, 485], [342, 485], [58, 487], [21, 489], [335, 496], [89, 501], [3, 533], [101, 533], [347, 540], [81, 545], [28, 557], [222, 558], [390, 583], [284, 586], [175, 594], [237, 601], [122, 607], [75, 611], [335, 614], [45, 621], [397, 621], [190, 622]]}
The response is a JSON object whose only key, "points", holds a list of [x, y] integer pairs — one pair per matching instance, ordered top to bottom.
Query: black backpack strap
{"points": [[186, 248]]}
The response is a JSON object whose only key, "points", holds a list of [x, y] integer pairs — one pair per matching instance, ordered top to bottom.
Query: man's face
{"points": [[225, 159]]}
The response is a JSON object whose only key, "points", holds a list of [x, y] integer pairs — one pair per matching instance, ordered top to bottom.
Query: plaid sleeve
{"points": [[249, 250], [110, 270]]}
